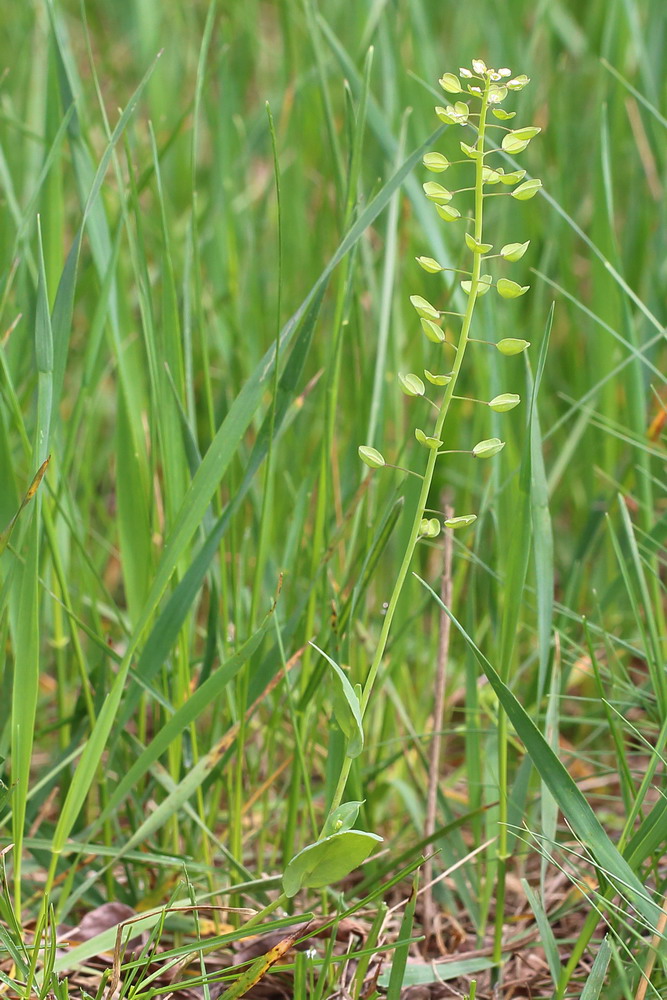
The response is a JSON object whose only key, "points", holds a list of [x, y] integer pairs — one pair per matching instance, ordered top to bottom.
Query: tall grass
{"points": [[201, 359]]}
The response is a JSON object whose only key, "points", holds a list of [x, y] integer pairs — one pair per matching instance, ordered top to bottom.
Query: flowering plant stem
{"points": [[432, 457]]}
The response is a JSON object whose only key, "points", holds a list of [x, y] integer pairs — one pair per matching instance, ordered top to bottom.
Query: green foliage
{"points": [[200, 308]]}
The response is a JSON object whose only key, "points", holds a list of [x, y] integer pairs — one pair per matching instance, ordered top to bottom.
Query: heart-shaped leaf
{"points": [[328, 861]]}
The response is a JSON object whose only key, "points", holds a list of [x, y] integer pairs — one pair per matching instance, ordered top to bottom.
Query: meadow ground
{"points": [[210, 214]]}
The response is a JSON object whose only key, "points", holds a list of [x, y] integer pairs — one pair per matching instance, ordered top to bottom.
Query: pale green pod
{"points": [[518, 82], [450, 83], [497, 93], [461, 111], [502, 115], [445, 116], [511, 144], [470, 151], [435, 162], [491, 176], [513, 177], [527, 190], [437, 193], [448, 212], [476, 247], [514, 251], [429, 264], [484, 285], [510, 289], [424, 307], [433, 332], [512, 345], [437, 379], [411, 384], [504, 402], [429, 442], [488, 448], [371, 456], [461, 521], [429, 527]]}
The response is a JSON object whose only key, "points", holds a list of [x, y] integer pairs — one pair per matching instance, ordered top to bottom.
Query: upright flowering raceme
{"points": [[484, 90], [340, 848]]}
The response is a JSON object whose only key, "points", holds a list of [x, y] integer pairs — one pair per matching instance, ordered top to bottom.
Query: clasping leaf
{"points": [[347, 709], [342, 819], [328, 861]]}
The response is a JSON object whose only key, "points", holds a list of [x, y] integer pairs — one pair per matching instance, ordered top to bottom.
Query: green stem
{"points": [[430, 465]]}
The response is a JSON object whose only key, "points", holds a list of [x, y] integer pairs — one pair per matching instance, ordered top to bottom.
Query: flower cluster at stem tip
{"points": [[486, 89]]}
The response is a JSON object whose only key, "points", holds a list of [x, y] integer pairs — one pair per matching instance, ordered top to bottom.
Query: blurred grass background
{"points": [[179, 292]]}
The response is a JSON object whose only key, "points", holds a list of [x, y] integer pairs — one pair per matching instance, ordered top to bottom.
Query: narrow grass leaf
{"points": [[25, 690], [199, 701], [650, 837], [547, 937], [400, 956], [74, 957], [434, 972], [596, 977]]}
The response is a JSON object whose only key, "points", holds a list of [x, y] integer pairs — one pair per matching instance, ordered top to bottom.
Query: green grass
{"points": [[203, 310]]}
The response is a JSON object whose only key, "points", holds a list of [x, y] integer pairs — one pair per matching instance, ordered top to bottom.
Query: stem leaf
{"points": [[328, 860]]}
